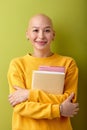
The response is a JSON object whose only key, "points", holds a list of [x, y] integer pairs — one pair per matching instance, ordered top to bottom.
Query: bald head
{"points": [[39, 20]]}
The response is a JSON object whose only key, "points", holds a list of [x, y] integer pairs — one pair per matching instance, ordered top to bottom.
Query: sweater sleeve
{"points": [[71, 85], [30, 108], [37, 110]]}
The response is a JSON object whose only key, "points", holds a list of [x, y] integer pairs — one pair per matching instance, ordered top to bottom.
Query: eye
{"points": [[35, 30], [47, 30]]}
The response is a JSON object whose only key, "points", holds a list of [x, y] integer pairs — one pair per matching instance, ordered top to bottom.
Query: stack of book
{"points": [[49, 79]]}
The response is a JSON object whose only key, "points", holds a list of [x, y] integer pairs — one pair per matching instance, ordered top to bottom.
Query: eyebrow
{"points": [[44, 27]]}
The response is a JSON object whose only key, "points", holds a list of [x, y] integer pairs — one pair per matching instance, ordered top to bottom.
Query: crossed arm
{"points": [[28, 102], [67, 107]]}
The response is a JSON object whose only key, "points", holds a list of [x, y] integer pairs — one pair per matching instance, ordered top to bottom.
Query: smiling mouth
{"points": [[41, 42]]}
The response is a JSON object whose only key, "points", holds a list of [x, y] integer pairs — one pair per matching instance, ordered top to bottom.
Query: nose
{"points": [[41, 34]]}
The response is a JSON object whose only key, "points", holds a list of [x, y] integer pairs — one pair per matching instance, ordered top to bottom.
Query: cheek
{"points": [[31, 37], [50, 37]]}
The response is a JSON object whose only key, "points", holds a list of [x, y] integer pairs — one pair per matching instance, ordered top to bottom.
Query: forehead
{"points": [[40, 21]]}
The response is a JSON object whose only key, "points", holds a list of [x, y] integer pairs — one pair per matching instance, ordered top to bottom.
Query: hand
{"points": [[20, 95], [69, 109]]}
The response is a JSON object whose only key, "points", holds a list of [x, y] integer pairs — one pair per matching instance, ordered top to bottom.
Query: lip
{"points": [[41, 42]]}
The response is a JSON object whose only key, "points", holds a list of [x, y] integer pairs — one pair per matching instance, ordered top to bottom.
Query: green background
{"points": [[69, 18]]}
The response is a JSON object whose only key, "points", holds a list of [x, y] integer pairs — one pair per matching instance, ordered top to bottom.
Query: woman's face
{"points": [[40, 32]]}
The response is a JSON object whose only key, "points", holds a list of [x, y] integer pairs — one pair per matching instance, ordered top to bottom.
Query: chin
{"points": [[41, 46]]}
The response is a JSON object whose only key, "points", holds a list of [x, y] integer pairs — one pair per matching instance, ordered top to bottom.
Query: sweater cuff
{"points": [[33, 95], [55, 111]]}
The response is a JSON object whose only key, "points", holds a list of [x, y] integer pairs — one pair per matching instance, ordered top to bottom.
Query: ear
{"points": [[53, 35], [27, 36]]}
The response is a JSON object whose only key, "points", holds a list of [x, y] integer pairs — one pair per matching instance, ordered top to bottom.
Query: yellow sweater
{"points": [[41, 110]]}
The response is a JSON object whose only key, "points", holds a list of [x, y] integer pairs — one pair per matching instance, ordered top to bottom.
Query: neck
{"points": [[42, 53]]}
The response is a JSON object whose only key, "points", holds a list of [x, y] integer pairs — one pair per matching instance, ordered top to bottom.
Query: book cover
{"points": [[52, 68], [48, 81]]}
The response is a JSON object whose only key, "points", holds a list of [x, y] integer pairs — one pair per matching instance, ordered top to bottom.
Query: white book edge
{"points": [[47, 72]]}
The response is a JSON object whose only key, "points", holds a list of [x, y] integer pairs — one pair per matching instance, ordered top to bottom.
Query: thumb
{"points": [[16, 87], [71, 97]]}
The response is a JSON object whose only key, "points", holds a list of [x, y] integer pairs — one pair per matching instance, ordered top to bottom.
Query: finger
{"points": [[16, 87], [10, 94], [71, 96], [10, 97], [13, 102], [76, 105], [77, 109], [75, 113], [71, 115]]}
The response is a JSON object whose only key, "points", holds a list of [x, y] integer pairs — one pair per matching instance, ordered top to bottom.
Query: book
{"points": [[52, 68], [48, 80]]}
